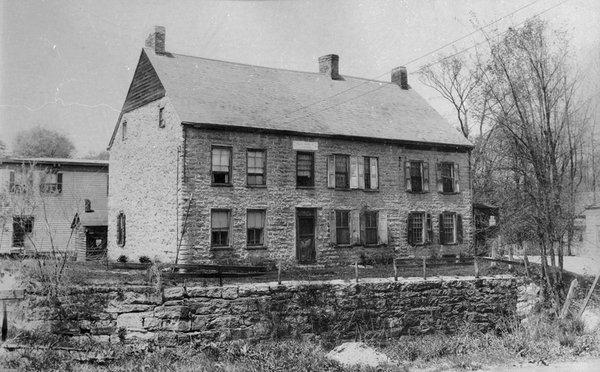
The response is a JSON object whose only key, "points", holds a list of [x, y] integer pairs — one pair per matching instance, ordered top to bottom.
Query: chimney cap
{"points": [[156, 39], [329, 65], [400, 77]]}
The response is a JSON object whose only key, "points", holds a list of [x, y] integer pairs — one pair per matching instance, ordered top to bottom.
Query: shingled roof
{"points": [[206, 91]]}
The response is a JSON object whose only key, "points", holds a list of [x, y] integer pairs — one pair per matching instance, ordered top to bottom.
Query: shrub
{"points": [[122, 258], [145, 260]]}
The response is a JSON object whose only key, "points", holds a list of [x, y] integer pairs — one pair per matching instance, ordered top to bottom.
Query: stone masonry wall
{"points": [[144, 183], [280, 198], [264, 310]]}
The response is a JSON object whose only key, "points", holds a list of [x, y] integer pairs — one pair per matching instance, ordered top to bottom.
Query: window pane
{"points": [[220, 159], [256, 162], [304, 169], [367, 173], [415, 177], [447, 179], [220, 219], [256, 219], [416, 227], [448, 227], [343, 235]]}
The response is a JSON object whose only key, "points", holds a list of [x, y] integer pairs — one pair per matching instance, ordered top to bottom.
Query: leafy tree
{"points": [[42, 142]]}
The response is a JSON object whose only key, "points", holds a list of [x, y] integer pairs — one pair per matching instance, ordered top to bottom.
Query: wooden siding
{"points": [[145, 86]]}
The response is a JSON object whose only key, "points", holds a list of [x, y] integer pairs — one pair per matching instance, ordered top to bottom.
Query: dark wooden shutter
{"points": [[331, 171], [438, 175], [407, 176], [426, 176], [59, 182], [11, 185], [429, 227], [333, 228], [441, 228], [124, 229], [459, 229], [363, 230], [119, 232], [409, 237]]}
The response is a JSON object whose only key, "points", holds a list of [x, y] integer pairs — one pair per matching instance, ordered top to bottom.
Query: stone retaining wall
{"points": [[263, 310]]}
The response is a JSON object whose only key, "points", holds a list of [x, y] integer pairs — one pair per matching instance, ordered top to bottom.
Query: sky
{"points": [[67, 65]]}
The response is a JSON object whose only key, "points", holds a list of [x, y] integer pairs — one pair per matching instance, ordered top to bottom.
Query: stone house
{"points": [[222, 162], [51, 204]]}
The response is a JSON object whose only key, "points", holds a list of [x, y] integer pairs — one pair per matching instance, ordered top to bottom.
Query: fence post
{"points": [[510, 256], [476, 263], [526, 263], [424, 268], [356, 270], [395, 271], [279, 273], [220, 277], [587, 297], [565, 309]]}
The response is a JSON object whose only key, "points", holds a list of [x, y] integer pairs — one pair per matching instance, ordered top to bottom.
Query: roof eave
{"points": [[419, 144]]}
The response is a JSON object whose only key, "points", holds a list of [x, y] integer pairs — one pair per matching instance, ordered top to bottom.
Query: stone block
{"points": [[210, 292], [173, 293], [171, 312], [132, 321]]}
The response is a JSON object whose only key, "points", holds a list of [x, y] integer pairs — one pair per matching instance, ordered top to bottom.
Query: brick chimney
{"points": [[156, 40], [329, 65], [400, 77]]}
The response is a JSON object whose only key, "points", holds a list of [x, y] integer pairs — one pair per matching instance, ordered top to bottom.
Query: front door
{"points": [[305, 235]]}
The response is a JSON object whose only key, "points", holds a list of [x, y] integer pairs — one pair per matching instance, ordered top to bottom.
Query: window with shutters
{"points": [[161, 118], [256, 165], [342, 165], [221, 166], [305, 169], [371, 173], [447, 174], [417, 176], [51, 183], [220, 225], [22, 226], [255, 226], [342, 227], [370, 228], [121, 229], [420, 229]]}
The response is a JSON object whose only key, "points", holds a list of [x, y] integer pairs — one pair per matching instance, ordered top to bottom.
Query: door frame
{"points": [[313, 214]]}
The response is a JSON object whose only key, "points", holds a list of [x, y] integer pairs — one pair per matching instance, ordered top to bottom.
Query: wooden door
{"points": [[305, 235]]}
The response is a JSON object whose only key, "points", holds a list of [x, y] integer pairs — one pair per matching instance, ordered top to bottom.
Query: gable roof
{"points": [[206, 91]]}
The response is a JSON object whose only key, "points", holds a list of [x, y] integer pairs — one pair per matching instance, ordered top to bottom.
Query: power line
{"points": [[411, 61], [383, 85]]}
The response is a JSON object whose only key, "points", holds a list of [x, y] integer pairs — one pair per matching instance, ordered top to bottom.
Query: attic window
{"points": [[161, 118], [124, 131]]}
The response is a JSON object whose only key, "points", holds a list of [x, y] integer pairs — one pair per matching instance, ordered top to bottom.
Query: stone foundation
{"points": [[264, 310]]}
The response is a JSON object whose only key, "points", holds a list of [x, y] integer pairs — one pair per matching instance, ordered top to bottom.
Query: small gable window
{"points": [[161, 118], [124, 131], [121, 229]]}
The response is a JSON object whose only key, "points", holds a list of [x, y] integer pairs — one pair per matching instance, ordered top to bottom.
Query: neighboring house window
{"points": [[161, 118], [124, 131], [221, 165], [256, 168], [305, 168], [371, 171], [416, 176], [447, 177], [19, 182], [52, 183], [88, 205], [220, 222], [255, 225], [22, 226], [342, 227], [420, 228], [450, 228], [370, 230], [121, 232]]}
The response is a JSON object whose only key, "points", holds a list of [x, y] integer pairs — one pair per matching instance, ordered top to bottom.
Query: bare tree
{"points": [[459, 83], [535, 113]]}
